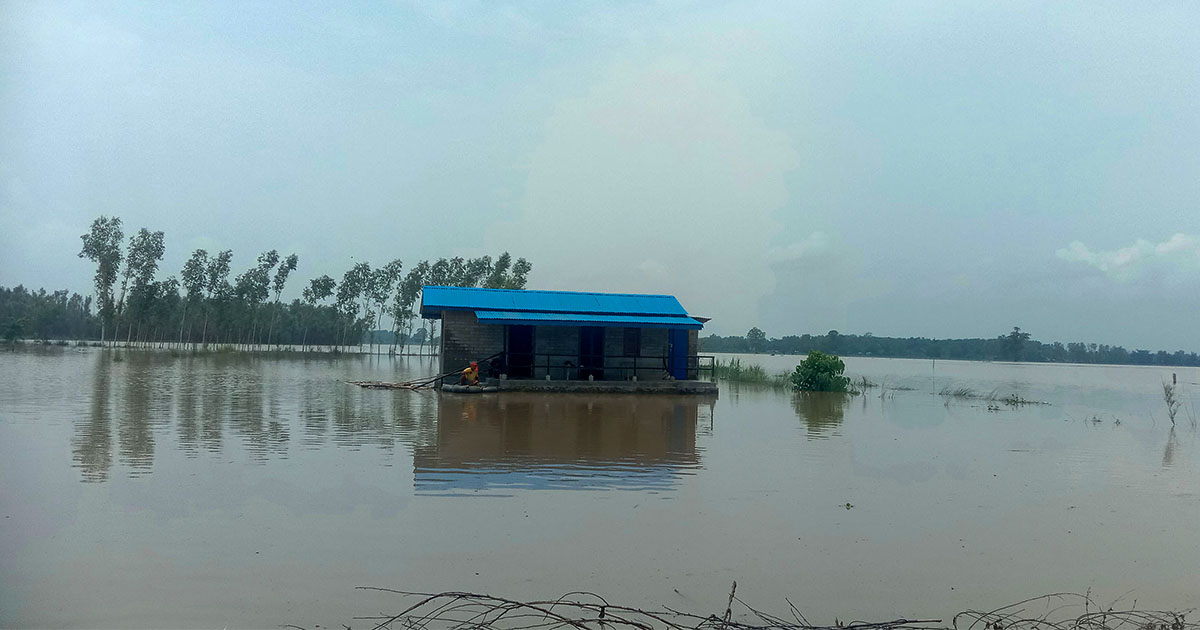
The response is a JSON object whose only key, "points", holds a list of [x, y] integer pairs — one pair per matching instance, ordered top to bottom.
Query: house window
{"points": [[633, 342]]}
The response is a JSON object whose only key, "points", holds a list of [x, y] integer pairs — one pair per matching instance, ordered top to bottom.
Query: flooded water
{"points": [[242, 491]]}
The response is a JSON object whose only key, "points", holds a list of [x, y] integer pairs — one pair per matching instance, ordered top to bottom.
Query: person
{"points": [[470, 375]]}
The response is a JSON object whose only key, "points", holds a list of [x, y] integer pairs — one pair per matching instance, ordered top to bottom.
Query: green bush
{"points": [[821, 372]]}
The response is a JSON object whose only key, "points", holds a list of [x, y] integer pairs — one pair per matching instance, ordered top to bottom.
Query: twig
{"points": [[582, 610]]}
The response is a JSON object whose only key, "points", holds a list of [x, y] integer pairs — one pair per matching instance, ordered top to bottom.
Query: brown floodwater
{"points": [[249, 491]]}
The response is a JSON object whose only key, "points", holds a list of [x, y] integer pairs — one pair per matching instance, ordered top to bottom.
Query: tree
{"points": [[102, 245], [146, 248], [476, 271], [520, 271], [281, 275], [501, 278], [496, 279], [382, 281], [216, 283], [193, 284], [354, 284], [252, 288], [318, 289], [405, 300], [165, 302], [13, 332], [756, 339], [1014, 343], [820, 372]]}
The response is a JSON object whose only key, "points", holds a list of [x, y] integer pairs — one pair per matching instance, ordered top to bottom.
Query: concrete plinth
{"points": [[606, 387]]}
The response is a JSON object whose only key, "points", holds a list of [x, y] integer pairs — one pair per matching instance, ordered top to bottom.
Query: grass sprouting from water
{"points": [[735, 371], [959, 392], [962, 392]]}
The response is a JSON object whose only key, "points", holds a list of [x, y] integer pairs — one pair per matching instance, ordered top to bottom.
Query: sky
{"points": [[937, 169]]}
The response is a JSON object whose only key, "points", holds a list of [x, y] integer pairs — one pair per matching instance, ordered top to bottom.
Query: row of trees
{"points": [[205, 306], [58, 315], [1013, 346]]}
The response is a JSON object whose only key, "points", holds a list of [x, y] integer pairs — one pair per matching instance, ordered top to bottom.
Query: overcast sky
{"points": [[941, 169]]}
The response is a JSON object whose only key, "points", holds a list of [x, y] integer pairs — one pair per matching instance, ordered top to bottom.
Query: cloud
{"points": [[485, 19], [660, 179], [814, 244], [1174, 257], [817, 281]]}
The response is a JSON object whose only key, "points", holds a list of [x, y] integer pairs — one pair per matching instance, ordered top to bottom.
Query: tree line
{"points": [[205, 307], [1013, 346]]}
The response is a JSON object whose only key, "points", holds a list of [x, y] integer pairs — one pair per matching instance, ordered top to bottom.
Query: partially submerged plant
{"points": [[821, 372], [752, 373], [961, 391], [993, 397], [1171, 398]]}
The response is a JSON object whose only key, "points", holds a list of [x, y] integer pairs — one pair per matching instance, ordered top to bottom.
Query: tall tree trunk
{"points": [[274, 315], [182, 322], [204, 331]]}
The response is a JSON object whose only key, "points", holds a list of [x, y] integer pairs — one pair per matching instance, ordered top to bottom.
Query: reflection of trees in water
{"points": [[213, 394], [141, 397], [149, 398], [188, 412], [821, 412], [246, 416], [314, 416], [355, 417], [361, 418], [415, 419], [137, 443], [92, 445]]}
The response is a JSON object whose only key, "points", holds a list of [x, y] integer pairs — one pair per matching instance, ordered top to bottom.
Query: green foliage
{"points": [[102, 245], [193, 275], [501, 277], [319, 289], [202, 306], [13, 331], [756, 339], [1014, 344], [1000, 348], [737, 372], [821, 372]]}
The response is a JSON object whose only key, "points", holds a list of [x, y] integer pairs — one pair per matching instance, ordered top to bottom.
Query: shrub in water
{"points": [[820, 372]]}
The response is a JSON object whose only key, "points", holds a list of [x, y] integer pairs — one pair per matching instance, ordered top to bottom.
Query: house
{"points": [[559, 339]]}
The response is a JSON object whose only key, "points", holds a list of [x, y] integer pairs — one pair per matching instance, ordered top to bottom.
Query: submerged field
{"points": [[247, 491]]}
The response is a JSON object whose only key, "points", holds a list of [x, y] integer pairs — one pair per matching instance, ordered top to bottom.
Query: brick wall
{"points": [[464, 339], [654, 345]]}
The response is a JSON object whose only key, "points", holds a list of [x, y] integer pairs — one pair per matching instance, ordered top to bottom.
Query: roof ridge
{"points": [[442, 286], [506, 309]]}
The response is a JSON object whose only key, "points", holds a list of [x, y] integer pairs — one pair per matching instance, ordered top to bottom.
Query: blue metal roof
{"points": [[435, 299], [586, 319]]}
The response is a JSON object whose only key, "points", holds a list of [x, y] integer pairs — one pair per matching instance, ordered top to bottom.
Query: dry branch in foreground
{"points": [[454, 610]]}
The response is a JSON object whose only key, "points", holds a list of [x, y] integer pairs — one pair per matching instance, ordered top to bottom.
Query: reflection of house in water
{"points": [[516, 440]]}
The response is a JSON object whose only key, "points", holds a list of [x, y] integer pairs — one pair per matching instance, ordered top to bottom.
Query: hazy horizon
{"points": [[930, 170]]}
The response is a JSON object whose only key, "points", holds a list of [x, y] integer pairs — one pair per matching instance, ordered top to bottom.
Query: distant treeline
{"points": [[203, 307], [1014, 346]]}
